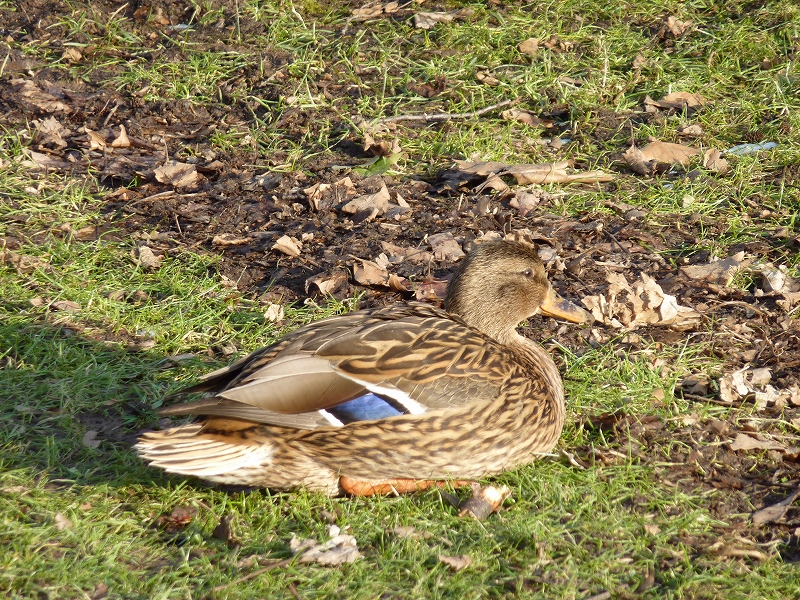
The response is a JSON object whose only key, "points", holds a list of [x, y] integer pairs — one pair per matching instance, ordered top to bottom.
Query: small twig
{"points": [[427, 118], [253, 575]]}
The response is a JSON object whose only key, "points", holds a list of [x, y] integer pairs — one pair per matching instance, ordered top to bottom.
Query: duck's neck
{"points": [[540, 364]]}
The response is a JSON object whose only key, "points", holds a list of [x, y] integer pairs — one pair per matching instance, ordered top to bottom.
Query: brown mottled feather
{"points": [[493, 399]]}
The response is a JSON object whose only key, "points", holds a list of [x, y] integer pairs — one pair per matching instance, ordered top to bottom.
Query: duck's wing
{"points": [[362, 366]]}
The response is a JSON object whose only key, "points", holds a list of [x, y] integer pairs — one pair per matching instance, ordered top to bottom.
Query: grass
{"points": [[567, 532]]}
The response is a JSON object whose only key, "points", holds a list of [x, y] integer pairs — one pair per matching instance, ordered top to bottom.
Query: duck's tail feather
{"points": [[186, 450]]}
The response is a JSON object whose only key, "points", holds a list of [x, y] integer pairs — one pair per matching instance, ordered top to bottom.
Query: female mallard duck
{"points": [[386, 399]]}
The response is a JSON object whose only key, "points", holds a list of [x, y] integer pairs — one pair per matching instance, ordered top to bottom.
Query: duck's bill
{"points": [[555, 306]]}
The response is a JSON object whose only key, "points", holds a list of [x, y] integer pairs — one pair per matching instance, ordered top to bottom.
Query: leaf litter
{"points": [[223, 203]]}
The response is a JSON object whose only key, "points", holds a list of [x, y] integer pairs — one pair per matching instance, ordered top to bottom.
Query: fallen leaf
{"points": [[373, 10], [429, 20], [674, 26], [529, 46], [487, 78], [29, 93], [677, 101], [523, 116], [693, 130], [122, 140], [385, 148], [712, 159], [646, 160], [177, 174], [526, 174], [325, 195], [525, 201], [369, 204], [228, 239], [287, 245], [445, 247], [147, 257], [23, 263], [719, 271], [370, 273], [327, 283], [430, 291], [66, 305], [629, 306], [274, 313], [89, 439], [746, 442], [483, 502], [770, 514], [179, 518], [62, 522], [652, 528], [404, 531], [340, 549], [456, 563], [100, 591]]}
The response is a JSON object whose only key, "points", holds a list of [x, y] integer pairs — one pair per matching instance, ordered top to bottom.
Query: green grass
{"points": [[567, 532]]}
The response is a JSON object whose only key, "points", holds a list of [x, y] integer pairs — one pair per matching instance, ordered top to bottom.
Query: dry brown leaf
{"points": [[374, 10], [429, 20], [676, 27], [529, 46], [639, 61], [487, 78], [30, 93], [676, 101], [523, 116], [693, 130], [122, 140], [381, 147], [666, 152], [712, 159], [44, 161], [645, 161], [533, 173], [177, 174], [326, 195], [525, 201], [370, 205], [227, 239], [288, 245], [445, 247], [147, 258], [22, 263], [720, 271], [370, 273], [327, 284], [431, 291], [66, 305], [629, 306], [274, 313], [748, 383], [89, 439], [746, 442], [484, 501], [770, 514], [62, 522], [339, 550], [456, 563]]}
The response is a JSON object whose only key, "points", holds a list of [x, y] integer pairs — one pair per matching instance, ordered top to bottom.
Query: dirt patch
{"points": [[237, 202]]}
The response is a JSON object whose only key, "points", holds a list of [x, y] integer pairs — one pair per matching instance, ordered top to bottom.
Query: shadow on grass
{"points": [[71, 407]]}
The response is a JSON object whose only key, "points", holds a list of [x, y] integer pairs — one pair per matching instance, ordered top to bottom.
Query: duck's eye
{"points": [[527, 273]]}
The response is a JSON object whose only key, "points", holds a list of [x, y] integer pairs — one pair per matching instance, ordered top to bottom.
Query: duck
{"points": [[385, 400]]}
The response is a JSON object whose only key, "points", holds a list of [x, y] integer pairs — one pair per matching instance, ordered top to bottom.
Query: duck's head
{"points": [[500, 284]]}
